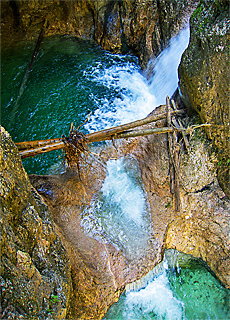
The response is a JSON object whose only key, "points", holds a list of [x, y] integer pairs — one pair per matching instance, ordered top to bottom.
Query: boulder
{"points": [[204, 78], [202, 225]]}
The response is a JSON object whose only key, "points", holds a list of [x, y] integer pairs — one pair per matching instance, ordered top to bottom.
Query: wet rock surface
{"points": [[142, 27], [204, 78], [202, 227], [35, 268], [100, 270]]}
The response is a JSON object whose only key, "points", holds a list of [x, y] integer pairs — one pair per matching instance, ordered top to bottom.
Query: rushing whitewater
{"points": [[137, 95], [121, 214]]}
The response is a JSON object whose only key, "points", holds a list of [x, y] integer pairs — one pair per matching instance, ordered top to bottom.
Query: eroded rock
{"points": [[142, 27], [204, 78], [202, 227], [100, 268], [35, 269]]}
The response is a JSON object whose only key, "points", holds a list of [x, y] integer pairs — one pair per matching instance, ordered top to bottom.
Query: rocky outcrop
{"points": [[142, 27], [204, 78], [202, 227], [35, 269], [100, 270]]}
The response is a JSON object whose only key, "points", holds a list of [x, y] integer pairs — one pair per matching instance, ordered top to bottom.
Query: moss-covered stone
{"points": [[204, 77]]}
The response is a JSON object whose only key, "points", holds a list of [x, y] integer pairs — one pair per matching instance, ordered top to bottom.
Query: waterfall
{"points": [[71, 79], [137, 95]]}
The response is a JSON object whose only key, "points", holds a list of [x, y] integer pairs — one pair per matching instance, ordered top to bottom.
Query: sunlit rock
{"points": [[35, 269]]}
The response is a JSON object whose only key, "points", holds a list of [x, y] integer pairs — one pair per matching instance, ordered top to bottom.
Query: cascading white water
{"points": [[164, 75], [137, 95], [122, 206], [121, 214], [179, 288]]}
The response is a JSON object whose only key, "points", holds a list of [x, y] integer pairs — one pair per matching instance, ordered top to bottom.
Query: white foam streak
{"points": [[164, 80], [133, 96], [120, 190], [157, 298]]}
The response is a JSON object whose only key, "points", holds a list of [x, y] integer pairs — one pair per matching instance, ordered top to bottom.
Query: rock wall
{"points": [[142, 27], [204, 77], [202, 226], [35, 269]]}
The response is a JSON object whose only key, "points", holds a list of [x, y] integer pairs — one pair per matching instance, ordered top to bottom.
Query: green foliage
{"points": [[168, 205], [54, 299]]}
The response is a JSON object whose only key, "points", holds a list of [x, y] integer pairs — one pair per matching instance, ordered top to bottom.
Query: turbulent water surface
{"points": [[69, 79]]}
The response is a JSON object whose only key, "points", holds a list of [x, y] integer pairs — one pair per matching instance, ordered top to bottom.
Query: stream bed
{"points": [[69, 79]]}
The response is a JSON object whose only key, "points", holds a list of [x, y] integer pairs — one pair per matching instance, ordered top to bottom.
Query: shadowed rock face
{"points": [[142, 27], [204, 77], [202, 227]]}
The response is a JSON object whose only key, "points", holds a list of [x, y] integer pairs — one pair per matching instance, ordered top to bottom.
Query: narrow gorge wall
{"points": [[142, 27], [204, 78], [35, 268]]}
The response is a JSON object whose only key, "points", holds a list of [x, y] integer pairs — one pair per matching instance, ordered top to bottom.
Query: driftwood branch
{"points": [[26, 75], [177, 123], [107, 133], [173, 159]]}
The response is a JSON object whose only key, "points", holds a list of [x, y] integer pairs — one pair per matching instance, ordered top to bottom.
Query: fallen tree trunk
{"points": [[26, 76], [106, 133], [122, 135], [32, 148]]}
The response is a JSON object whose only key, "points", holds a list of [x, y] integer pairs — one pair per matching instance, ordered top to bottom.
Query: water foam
{"points": [[164, 75], [132, 96], [120, 189], [121, 213], [149, 298], [157, 298]]}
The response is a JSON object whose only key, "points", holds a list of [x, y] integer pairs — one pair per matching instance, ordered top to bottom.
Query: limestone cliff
{"points": [[142, 27], [204, 77], [35, 269]]}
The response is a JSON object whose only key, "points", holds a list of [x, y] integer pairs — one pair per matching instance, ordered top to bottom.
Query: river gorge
{"points": [[109, 243]]}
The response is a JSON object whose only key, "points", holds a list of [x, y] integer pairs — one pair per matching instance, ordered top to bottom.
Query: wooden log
{"points": [[26, 75], [178, 124], [106, 133], [140, 133], [38, 143], [32, 148], [35, 151], [24, 153], [173, 160], [171, 168]]}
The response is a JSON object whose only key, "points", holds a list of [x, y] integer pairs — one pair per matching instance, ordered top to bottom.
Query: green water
{"points": [[60, 89], [181, 294]]}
